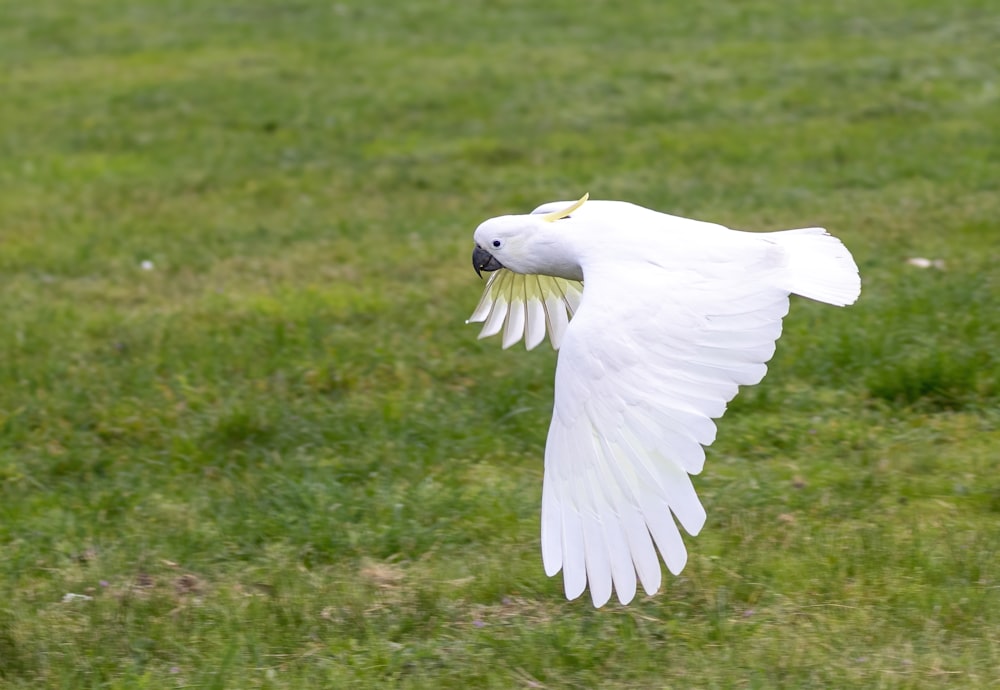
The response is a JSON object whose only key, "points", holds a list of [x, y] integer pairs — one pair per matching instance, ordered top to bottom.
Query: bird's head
{"points": [[512, 242]]}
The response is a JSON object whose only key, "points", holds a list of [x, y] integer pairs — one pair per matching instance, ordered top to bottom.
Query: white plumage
{"points": [[676, 315]]}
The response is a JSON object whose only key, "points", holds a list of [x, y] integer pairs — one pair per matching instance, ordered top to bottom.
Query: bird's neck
{"points": [[555, 253]]}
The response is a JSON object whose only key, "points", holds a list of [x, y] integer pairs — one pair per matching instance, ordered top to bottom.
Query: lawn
{"points": [[247, 441]]}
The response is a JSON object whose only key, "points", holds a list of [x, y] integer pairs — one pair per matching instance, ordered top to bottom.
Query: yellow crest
{"points": [[559, 215]]}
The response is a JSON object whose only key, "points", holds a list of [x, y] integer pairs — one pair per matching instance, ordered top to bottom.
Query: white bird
{"points": [[676, 315]]}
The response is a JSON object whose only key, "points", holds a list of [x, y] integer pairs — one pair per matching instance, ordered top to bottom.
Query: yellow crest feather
{"points": [[559, 215]]}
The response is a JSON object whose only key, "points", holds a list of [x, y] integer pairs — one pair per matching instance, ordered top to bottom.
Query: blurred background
{"points": [[246, 439]]}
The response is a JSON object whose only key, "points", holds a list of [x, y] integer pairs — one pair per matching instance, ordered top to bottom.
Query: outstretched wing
{"points": [[526, 306], [650, 359]]}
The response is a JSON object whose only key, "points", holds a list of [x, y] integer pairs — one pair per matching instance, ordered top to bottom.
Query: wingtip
{"points": [[625, 597], [599, 599]]}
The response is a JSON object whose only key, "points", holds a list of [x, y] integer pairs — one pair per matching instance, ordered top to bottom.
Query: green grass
{"points": [[280, 460]]}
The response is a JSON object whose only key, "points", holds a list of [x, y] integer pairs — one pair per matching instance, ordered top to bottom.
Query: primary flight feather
{"points": [[676, 315]]}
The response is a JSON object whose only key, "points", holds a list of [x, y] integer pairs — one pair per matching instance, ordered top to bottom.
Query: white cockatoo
{"points": [[676, 315]]}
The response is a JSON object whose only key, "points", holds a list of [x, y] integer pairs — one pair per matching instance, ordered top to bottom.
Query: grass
{"points": [[279, 460]]}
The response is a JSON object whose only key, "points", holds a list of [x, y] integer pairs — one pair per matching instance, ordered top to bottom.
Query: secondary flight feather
{"points": [[676, 315]]}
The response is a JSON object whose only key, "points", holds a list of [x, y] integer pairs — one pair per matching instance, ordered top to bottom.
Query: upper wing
{"points": [[525, 305], [644, 368]]}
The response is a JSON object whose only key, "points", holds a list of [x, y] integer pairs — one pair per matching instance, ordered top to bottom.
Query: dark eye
{"points": [[497, 243]]}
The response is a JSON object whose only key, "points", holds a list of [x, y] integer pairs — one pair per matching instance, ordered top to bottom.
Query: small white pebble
{"points": [[921, 262], [146, 265], [70, 596]]}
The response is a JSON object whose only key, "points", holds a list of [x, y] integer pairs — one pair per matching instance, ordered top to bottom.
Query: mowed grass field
{"points": [[275, 456]]}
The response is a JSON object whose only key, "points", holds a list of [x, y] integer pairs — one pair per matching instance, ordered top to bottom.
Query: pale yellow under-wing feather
{"points": [[526, 306]]}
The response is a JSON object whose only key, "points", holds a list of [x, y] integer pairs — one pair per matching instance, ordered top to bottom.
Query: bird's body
{"points": [[676, 315]]}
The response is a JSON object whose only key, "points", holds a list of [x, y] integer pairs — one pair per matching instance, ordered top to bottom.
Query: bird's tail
{"points": [[819, 266]]}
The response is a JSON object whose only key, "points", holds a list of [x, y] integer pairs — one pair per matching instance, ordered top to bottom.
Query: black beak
{"points": [[482, 260]]}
